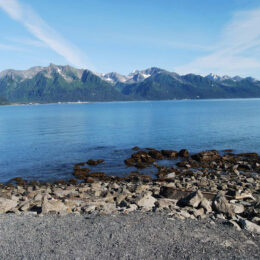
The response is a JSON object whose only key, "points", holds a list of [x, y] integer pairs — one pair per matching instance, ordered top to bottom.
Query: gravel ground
{"points": [[133, 236]]}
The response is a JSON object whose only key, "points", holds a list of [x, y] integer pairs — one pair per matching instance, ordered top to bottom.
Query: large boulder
{"points": [[169, 153], [184, 153], [156, 154], [206, 156], [147, 201], [7, 204], [221, 205], [55, 206], [250, 226]]}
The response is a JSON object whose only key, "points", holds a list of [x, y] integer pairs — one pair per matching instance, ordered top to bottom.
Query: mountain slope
{"points": [[65, 83], [53, 85], [3, 101]]}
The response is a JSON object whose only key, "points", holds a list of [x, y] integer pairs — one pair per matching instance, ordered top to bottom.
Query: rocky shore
{"points": [[207, 185]]}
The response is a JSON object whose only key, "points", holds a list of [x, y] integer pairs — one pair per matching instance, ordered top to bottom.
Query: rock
{"points": [[135, 148], [169, 153], [184, 153], [156, 154], [248, 155], [206, 156], [93, 162], [130, 162], [140, 165], [81, 174], [97, 174], [170, 176], [250, 180], [141, 188], [60, 193], [38, 197], [121, 197], [193, 199], [146, 202], [72, 203], [166, 203], [7, 204], [123, 204], [205, 204], [221, 205], [25, 206], [53, 206], [108, 208], [131, 208], [238, 208], [89, 209], [198, 213], [184, 214], [256, 220], [233, 224], [250, 226]]}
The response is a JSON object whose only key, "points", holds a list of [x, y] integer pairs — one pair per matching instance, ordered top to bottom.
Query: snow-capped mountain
{"points": [[133, 77], [216, 77], [57, 83]]}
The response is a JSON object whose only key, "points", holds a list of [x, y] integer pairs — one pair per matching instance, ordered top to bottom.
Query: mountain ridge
{"points": [[57, 83]]}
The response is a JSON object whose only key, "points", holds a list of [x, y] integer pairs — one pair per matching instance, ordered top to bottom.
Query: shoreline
{"points": [[127, 101], [202, 185]]}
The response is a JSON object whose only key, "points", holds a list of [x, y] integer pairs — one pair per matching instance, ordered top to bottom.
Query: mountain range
{"points": [[65, 83]]}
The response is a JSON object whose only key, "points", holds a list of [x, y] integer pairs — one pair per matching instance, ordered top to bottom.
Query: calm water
{"points": [[44, 141]]}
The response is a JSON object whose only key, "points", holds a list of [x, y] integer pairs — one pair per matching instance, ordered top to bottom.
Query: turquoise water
{"points": [[44, 141]]}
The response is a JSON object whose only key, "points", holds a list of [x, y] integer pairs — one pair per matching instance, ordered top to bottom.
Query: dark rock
{"points": [[135, 148], [169, 153], [184, 153], [156, 154], [139, 155], [248, 155], [206, 156], [93, 162], [130, 162], [183, 164], [140, 165], [82, 173], [97, 174], [89, 180], [18, 181], [73, 181], [193, 200]]}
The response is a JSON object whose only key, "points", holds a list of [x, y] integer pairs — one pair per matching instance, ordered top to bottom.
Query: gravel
{"points": [[133, 236]]}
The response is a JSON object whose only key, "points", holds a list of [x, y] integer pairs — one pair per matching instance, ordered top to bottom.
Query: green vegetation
{"points": [[64, 84], [3, 101]]}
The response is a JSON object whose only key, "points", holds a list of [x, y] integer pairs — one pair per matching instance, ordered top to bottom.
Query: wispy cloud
{"points": [[41, 30], [27, 41], [9, 47], [235, 52]]}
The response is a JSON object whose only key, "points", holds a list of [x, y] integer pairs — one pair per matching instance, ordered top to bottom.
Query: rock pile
{"points": [[202, 185]]}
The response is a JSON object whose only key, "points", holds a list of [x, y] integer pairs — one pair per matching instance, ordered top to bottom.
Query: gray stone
{"points": [[170, 176], [146, 202], [205, 204], [6, 205], [221, 205], [53, 206], [238, 208], [234, 224], [250, 226]]}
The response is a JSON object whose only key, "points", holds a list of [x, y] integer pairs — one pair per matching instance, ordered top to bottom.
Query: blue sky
{"points": [[188, 36]]}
